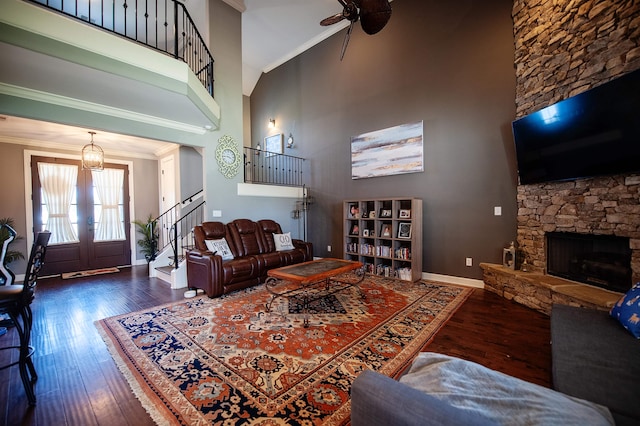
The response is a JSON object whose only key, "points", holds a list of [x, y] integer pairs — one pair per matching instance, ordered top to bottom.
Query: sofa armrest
{"points": [[305, 246], [204, 270], [595, 358], [379, 400]]}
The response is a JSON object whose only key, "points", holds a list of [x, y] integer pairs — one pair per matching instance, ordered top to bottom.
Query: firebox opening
{"points": [[600, 260]]}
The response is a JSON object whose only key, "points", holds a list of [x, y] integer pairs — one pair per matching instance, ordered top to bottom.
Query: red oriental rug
{"points": [[227, 361]]}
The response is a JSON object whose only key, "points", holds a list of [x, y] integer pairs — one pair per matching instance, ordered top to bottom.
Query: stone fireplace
{"points": [[562, 49], [603, 206], [607, 208], [600, 260]]}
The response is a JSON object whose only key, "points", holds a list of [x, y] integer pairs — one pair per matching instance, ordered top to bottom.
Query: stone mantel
{"points": [[540, 291]]}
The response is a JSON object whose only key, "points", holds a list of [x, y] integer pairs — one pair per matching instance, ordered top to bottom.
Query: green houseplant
{"points": [[149, 241]]}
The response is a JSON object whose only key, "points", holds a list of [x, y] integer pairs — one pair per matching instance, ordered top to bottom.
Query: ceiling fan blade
{"points": [[374, 15], [332, 19], [346, 40]]}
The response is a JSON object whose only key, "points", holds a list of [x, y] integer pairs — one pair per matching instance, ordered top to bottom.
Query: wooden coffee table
{"points": [[314, 280]]}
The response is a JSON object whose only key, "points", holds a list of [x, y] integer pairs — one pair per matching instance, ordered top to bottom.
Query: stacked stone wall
{"points": [[563, 48]]}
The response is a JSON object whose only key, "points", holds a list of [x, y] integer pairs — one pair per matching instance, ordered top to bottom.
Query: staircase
{"points": [[175, 237]]}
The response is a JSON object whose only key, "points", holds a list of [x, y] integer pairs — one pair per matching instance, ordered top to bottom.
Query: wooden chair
{"points": [[15, 300]]}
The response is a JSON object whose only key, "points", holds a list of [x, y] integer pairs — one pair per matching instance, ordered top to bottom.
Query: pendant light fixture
{"points": [[92, 156]]}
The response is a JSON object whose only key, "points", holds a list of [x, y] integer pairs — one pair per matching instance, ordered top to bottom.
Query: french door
{"points": [[86, 211]]}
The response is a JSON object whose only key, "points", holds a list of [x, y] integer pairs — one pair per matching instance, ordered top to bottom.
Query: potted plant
{"points": [[6, 231], [149, 241]]}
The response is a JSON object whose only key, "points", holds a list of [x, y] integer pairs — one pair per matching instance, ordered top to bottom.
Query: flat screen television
{"points": [[594, 133]]}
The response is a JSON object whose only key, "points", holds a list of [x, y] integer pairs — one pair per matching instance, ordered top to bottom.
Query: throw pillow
{"points": [[283, 241], [219, 247], [627, 310]]}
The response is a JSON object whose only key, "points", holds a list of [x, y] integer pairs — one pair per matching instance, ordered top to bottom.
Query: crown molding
{"points": [[236, 4]]}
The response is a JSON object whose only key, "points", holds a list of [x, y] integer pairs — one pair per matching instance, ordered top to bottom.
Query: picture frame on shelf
{"points": [[273, 145], [354, 211], [385, 212], [372, 214], [404, 214], [355, 229], [385, 230], [404, 230], [365, 232]]}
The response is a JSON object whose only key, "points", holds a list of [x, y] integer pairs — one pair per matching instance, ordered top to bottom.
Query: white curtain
{"points": [[58, 183], [109, 184]]}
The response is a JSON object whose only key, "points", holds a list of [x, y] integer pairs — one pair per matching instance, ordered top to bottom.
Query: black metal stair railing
{"points": [[164, 25], [165, 222], [182, 232]]}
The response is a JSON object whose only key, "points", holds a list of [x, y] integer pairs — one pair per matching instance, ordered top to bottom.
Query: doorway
{"points": [[86, 211]]}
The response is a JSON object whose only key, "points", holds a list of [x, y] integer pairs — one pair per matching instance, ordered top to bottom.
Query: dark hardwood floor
{"points": [[79, 384]]}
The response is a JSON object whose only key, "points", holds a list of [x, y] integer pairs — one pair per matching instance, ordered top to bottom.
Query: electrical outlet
{"points": [[217, 213], [329, 249], [469, 261]]}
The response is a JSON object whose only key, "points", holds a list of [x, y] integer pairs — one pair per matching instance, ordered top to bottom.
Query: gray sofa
{"points": [[595, 358], [596, 376]]}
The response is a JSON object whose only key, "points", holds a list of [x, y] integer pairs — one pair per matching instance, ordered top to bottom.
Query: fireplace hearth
{"points": [[600, 260]]}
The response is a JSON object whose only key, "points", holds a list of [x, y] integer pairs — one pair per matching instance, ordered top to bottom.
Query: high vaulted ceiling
{"points": [[274, 31]]}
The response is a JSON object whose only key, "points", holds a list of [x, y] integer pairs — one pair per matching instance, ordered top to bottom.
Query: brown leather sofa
{"points": [[254, 253]]}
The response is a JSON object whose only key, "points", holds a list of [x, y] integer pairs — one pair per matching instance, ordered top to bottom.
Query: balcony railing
{"points": [[164, 25], [272, 168]]}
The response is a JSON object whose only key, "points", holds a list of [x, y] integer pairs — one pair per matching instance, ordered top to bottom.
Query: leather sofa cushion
{"points": [[212, 231], [245, 237], [239, 269]]}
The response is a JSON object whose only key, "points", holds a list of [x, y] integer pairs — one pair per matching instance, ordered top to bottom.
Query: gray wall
{"points": [[449, 64], [191, 173]]}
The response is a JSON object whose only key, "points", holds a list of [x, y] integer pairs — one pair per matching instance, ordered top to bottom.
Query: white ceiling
{"points": [[273, 31]]}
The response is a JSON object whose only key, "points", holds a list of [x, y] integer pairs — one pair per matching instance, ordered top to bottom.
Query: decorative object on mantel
{"points": [[392, 151], [92, 156], [227, 156], [509, 256], [525, 266]]}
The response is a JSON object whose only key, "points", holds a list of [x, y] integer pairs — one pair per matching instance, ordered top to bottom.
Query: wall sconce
{"points": [[272, 123], [92, 156]]}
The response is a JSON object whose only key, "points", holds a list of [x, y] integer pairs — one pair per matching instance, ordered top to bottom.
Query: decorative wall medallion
{"points": [[227, 156]]}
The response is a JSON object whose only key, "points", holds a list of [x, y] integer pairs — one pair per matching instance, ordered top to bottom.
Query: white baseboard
{"points": [[450, 279]]}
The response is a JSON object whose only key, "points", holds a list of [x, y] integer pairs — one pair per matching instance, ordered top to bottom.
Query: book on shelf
{"points": [[383, 251], [403, 253], [403, 274]]}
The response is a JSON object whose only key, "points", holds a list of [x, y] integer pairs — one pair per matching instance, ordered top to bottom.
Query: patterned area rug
{"points": [[228, 361]]}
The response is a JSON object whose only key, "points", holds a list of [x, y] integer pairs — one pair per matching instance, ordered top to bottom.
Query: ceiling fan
{"points": [[373, 16]]}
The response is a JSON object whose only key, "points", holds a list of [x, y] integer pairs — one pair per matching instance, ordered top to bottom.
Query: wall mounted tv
{"points": [[591, 134]]}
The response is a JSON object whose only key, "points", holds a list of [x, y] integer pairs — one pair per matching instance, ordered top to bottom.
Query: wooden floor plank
{"points": [[81, 385]]}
